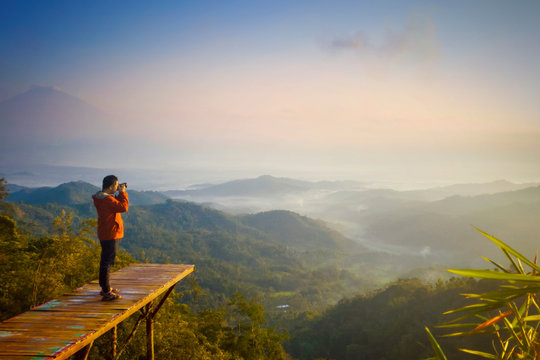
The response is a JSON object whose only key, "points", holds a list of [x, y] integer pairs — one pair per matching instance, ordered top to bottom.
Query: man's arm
{"points": [[119, 203]]}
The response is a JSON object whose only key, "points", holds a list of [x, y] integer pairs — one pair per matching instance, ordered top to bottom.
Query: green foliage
{"points": [[34, 270], [15, 274], [510, 314], [385, 324], [235, 331], [251, 340]]}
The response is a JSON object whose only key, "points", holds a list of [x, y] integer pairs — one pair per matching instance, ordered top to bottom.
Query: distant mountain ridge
{"points": [[262, 186], [269, 186], [473, 189], [76, 193], [445, 228]]}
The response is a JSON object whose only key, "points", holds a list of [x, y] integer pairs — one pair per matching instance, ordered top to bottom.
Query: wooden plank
{"points": [[61, 327]]}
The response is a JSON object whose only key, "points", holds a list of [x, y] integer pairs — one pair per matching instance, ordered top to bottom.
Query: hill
{"points": [[71, 193], [290, 229]]}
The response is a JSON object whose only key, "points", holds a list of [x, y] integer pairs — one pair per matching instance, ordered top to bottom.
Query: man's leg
{"points": [[108, 254]]}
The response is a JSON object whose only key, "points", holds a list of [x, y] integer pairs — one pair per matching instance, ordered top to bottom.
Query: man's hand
{"points": [[122, 187]]}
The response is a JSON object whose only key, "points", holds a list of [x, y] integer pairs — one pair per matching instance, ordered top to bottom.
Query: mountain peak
{"points": [[44, 89], [38, 93]]}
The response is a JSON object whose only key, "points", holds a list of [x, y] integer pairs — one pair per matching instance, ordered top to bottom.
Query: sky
{"points": [[396, 91]]}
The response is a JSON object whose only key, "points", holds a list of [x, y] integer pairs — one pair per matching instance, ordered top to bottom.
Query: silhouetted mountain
{"points": [[45, 113], [45, 123], [76, 193], [290, 229]]}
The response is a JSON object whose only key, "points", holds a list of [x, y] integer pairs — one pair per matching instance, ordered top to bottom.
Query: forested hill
{"points": [[291, 229], [230, 254], [388, 324]]}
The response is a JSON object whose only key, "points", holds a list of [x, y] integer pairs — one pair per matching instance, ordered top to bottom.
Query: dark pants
{"points": [[108, 253]]}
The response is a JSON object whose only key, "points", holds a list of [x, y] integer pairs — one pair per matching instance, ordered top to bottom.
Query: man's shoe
{"points": [[116, 291], [110, 296]]}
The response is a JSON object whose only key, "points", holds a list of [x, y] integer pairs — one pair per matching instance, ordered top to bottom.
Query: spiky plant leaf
{"points": [[509, 249], [495, 275], [531, 318], [479, 353], [439, 354]]}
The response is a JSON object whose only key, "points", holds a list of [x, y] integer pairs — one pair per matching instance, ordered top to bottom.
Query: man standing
{"points": [[110, 229]]}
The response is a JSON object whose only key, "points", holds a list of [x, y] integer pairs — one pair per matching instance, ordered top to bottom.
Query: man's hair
{"points": [[108, 181]]}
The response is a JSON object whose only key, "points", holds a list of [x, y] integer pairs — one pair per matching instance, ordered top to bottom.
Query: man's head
{"points": [[110, 184]]}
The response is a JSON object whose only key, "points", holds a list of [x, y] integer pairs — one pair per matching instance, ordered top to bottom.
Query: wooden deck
{"points": [[62, 327]]}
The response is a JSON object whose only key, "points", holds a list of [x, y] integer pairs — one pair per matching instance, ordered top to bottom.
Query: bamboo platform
{"points": [[70, 324]]}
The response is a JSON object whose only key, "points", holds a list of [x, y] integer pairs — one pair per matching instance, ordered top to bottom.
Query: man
{"points": [[110, 229]]}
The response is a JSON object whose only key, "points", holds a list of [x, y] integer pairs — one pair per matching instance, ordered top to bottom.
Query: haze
{"points": [[400, 91]]}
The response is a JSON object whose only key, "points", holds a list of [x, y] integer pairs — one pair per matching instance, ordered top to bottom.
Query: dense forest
{"points": [[252, 296]]}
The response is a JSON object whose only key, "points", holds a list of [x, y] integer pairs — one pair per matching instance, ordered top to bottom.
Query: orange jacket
{"points": [[109, 207]]}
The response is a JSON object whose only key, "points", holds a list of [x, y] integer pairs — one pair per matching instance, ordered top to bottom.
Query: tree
{"points": [[3, 189], [15, 273], [251, 340]]}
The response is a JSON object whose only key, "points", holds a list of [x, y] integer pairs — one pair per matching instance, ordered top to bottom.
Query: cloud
{"points": [[416, 40], [426, 251]]}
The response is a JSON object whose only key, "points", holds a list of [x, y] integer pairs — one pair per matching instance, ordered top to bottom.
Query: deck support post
{"points": [[163, 300], [149, 332], [114, 342]]}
